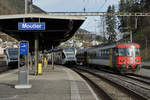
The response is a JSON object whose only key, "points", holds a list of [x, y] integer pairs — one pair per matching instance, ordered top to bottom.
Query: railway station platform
{"points": [[146, 65], [58, 84]]}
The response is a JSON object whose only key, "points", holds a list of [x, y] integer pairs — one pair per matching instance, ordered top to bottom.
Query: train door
{"points": [[114, 50], [112, 57], [85, 58], [63, 60]]}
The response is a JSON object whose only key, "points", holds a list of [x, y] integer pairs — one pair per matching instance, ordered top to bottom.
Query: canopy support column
{"points": [[36, 49]]}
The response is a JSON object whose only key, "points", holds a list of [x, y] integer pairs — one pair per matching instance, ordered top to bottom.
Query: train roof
{"points": [[116, 43], [113, 45], [127, 45], [107, 46]]}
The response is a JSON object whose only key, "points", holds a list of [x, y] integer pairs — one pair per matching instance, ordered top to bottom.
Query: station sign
{"points": [[31, 26], [23, 48]]}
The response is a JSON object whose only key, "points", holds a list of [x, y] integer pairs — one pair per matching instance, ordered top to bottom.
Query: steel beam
{"points": [[26, 6], [99, 14]]}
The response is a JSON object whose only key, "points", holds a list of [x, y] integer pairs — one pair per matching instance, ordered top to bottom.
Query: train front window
{"points": [[69, 50], [128, 52], [133, 52], [13, 53], [70, 55]]}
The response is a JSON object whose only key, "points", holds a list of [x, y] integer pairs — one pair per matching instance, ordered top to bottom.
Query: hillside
{"points": [[15, 7], [83, 39]]}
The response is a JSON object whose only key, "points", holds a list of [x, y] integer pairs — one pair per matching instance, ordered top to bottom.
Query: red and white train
{"points": [[122, 57]]}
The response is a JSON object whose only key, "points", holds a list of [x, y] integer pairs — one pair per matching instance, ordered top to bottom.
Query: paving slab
{"points": [[58, 84]]}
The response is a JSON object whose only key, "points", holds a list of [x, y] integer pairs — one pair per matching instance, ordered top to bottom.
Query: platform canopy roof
{"points": [[57, 28]]}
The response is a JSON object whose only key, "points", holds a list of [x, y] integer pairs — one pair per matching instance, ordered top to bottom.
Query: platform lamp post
{"points": [[36, 42], [52, 58]]}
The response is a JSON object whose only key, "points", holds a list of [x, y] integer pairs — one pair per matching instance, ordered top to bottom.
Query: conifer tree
{"points": [[111, 25]]}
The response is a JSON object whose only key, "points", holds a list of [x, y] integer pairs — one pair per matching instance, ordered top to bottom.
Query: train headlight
{"points": [[122, 60], [137, 60], [123, 66]]}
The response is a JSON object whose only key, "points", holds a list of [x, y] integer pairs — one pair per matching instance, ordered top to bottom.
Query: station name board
{"points": [[31, 26]]}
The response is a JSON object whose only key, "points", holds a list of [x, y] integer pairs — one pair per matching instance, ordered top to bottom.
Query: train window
{"points": [[102, 52], [107, 52], [115, 52], [121, 52], [130, 52], [133, 52], [137, 52], [99, 53], [94, 54]]}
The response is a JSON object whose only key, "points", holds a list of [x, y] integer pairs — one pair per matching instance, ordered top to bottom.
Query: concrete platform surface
{"points": [[58, 84]]}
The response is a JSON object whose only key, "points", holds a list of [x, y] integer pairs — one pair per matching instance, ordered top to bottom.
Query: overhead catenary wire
{"points": [[87, 4], [102, 5]]}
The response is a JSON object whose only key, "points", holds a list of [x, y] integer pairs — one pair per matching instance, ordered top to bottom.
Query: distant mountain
{"points": [[14, 7]]}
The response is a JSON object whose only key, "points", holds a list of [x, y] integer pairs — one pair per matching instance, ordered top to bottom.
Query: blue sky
{"points": [[92, 23]]}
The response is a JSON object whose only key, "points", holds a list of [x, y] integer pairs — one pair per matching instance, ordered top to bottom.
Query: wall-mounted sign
{"points": [[31, 26], [23, 48]]}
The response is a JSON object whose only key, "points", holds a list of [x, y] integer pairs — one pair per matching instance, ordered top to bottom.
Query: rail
{"points": [[123, 85]]}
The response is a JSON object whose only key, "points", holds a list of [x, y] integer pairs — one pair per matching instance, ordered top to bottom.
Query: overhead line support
{"points": [[99, 14]]}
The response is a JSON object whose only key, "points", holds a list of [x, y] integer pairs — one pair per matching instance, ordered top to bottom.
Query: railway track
{"points": [[4, 69], [140, 78], [115, 86], [101, 93]]}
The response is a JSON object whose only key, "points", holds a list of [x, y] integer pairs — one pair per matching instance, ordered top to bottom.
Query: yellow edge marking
{"points": [[110, 56]]}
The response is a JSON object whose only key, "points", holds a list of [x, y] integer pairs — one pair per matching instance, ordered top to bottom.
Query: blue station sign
{"points": [[31, 26], [23, 48]]}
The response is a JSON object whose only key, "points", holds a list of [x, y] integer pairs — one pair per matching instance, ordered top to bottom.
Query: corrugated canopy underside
{"points": [[58, 28]]}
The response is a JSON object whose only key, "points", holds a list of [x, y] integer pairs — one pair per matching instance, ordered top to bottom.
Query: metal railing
{"points": [[98, 14]]}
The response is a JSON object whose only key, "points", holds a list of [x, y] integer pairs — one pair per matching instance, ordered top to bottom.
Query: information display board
{"points": [[24, 48], [23, 65]]}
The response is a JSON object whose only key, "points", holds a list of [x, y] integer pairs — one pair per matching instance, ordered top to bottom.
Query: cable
{"points": [[85, 5], [102, 5]]}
